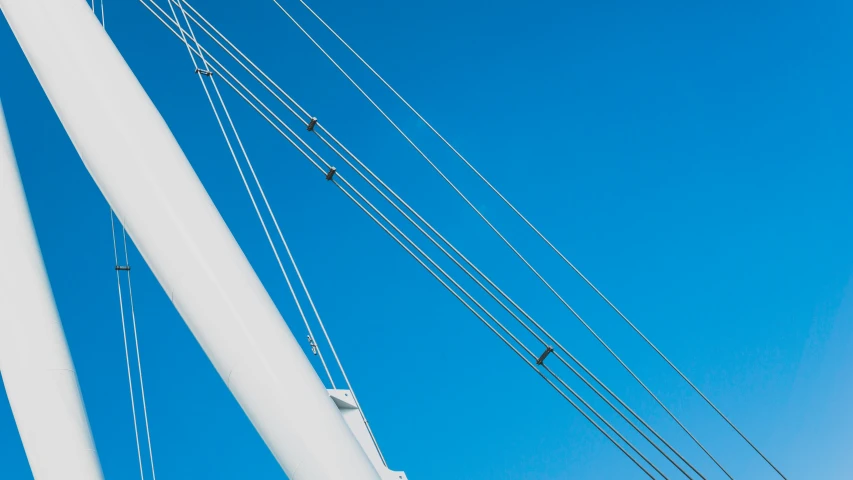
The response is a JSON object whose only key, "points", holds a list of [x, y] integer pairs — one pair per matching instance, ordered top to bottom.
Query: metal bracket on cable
{"points": [[206, 73], [312, 124], [331, 173], [123, 268], [313, 345], [544, 355]]}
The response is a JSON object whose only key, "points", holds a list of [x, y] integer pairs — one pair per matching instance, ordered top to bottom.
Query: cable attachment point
{"points": [[206, 73], [312, 124], [331, 173], [125, 268], [313, 345], [544, 355]]}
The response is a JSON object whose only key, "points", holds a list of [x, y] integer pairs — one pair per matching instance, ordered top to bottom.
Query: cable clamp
{"points": [[206, 73], [312, 124], [331, 173], [125, 268], [313, 345], [544, 355]]}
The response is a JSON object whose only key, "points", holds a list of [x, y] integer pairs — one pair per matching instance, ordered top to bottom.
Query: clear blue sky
{"points": [[693, 160]]}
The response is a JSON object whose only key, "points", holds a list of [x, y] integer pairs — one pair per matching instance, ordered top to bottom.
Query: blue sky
{"points": [[693, 160]]}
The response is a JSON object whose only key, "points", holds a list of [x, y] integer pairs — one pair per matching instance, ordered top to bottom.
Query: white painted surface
{"points": [[136, 162], [34, 360], [355, 421]]}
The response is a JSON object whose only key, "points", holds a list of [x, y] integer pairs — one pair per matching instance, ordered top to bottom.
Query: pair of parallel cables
{"points": [[211, 66], [122, 265]]}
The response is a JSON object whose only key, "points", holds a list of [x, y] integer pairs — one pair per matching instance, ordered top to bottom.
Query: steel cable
{"points": [[319, 126], [349, 185], [542, 237]]}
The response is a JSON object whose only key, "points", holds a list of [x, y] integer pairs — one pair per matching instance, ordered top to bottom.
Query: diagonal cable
{"points": [[201, 73], [247, 99], [319, 126], [542, 237], [586, 280], [126, 349], [138, 356]]}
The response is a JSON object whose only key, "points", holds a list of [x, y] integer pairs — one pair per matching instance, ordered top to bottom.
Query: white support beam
{"points": [[137, 163], [38, 374], [356, 422]]}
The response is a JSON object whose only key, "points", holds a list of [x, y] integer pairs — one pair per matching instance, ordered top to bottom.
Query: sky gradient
{"points": [[692, 160]]}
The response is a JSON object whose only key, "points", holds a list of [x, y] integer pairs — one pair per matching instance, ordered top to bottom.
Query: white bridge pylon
{"points": [[136, 162], [37, 370]]}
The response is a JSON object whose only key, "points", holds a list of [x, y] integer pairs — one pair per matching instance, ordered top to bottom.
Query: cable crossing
{"points": [[174, 27], [205, 76], [269, 114], [528, 223], [533, 344]]}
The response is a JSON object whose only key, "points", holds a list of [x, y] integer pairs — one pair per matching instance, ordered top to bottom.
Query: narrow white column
{"points": [[136, 162], [37, 370]]}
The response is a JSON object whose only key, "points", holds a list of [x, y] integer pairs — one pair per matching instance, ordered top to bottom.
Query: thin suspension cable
{"points": [[189, 6], [213, 28], [227, 50], [239, 52], [356, 85], [242, 88], [290, 98], [264, 111], [264, 116], [304, 152], [315, 154], [326, 163], [242, 174], [360, 195], [485, 219], [266, 231], [545, 239], [301, 280], [488, 280], [304, 286], [501, 292], [310, 299], [514, 304], [505, 307], [492, 317], [133, 321], [490, 327], [498, 334], [126, 350], [138, 356], [343, 372], [625, 418]]}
